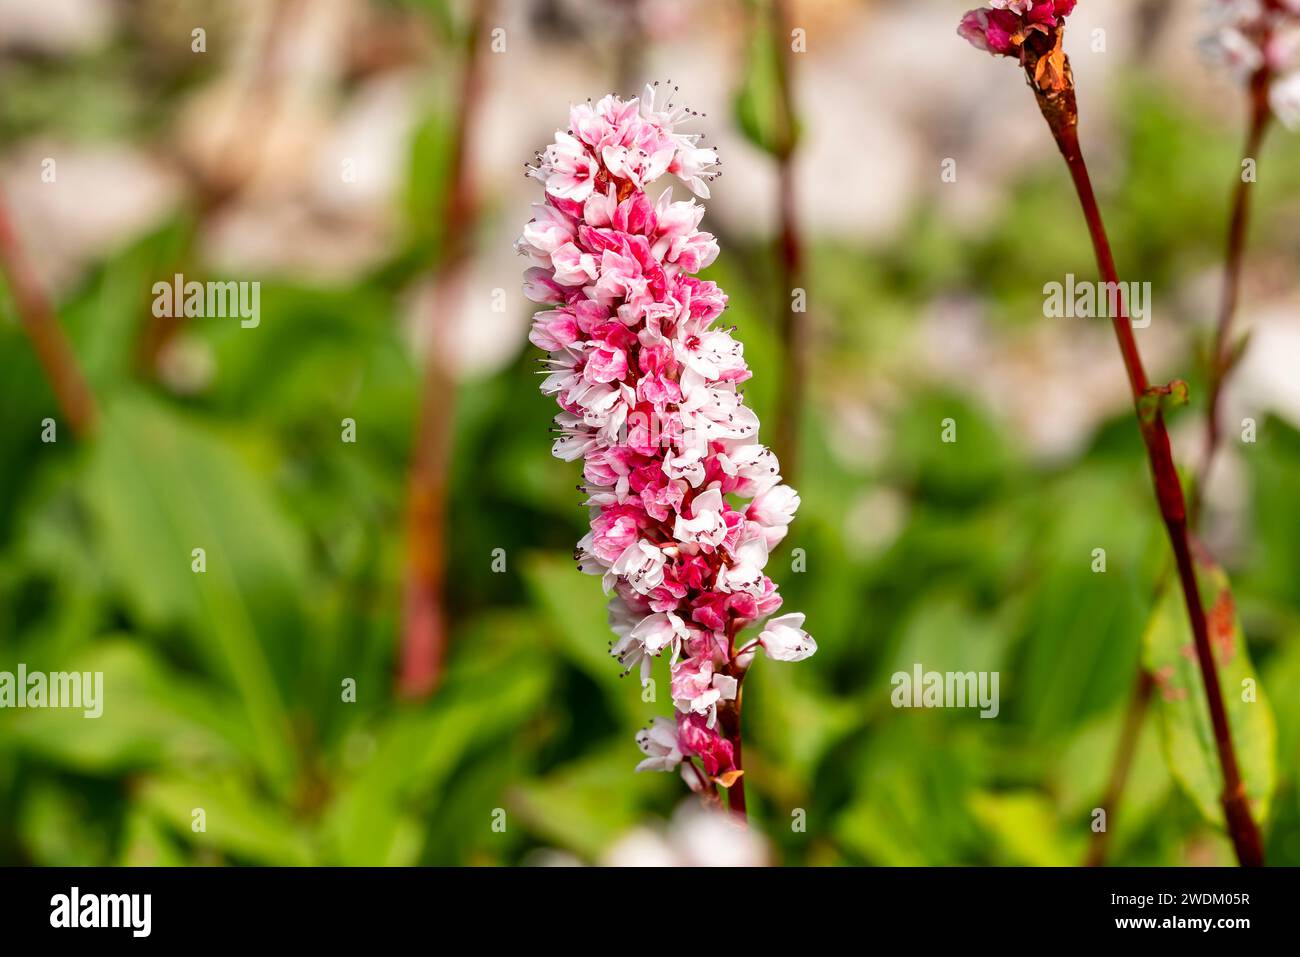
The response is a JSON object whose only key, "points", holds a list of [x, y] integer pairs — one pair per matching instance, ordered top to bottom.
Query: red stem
{"points": [[37, 317], [791, 327], [1221, 356], [1221, 359], [1169, 494], [424, 628], [729, 721]]}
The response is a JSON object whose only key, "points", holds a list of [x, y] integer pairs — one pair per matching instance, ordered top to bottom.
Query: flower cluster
{"points": [[1003, 26], [1248, 36], [648, 390]]}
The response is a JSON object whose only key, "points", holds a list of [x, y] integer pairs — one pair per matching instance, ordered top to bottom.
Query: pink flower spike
{"points": [[686, 504]]}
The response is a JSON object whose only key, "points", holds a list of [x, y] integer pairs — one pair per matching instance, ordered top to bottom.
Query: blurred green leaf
{"points": [[758, 105], [160, 485], [1275, 512], [576, 610], [1083, 627], [1180, 703], [151, 717], [794, 723], [408, 760], [1083, 768], [586, 806], [909, 813], [235, 819], [59, 828], [1025, 828], [146, 842]]}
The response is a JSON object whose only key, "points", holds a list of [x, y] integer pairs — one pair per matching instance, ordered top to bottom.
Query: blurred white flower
{"points": [[1285, 100], [697, 836]]}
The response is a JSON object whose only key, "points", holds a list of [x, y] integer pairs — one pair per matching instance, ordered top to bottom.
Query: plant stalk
{"points": [[1050, 77], [40, 323], [792, 326], [1222, 354], [1221, 360], [424, 617], [729, 721]]}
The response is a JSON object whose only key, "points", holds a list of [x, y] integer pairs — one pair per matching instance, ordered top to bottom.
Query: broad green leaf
{"points": [[758, 103], [428, 183], [25, 402], [161, 485], [576, 610], [1082, 627], [943, 633], [1283, 671], [1180, 702], [149, 717], [792, 721], [409, 760], [1081, 770], [587, 806], [909, 813], [235, 819], [887, 825], [1024, 826], [59, 828], [146, 842]]}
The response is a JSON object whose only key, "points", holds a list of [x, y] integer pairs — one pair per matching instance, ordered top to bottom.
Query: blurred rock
{"points": [[55, 26], [101, 197], [1055, 382]]}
